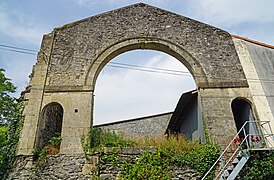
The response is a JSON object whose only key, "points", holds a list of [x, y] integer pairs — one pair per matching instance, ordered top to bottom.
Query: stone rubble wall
{"points": [[150, 126], [79, 167]]}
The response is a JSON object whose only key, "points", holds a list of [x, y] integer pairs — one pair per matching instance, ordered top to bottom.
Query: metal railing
{"points": [[245, 144]]}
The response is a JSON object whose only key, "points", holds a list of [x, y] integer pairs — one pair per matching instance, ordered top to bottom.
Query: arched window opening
{"points": [[242, 113], [50, 124]]}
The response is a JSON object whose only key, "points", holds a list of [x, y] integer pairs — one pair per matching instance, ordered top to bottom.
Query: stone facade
{"points": [[72, 56]]}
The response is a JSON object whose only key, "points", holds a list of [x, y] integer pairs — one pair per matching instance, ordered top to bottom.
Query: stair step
{"points": [[235, 161], [230, 168], [238, 168], [225, 174]]}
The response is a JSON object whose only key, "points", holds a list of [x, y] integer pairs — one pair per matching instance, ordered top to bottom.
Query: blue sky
{"points": [[22, 24]]}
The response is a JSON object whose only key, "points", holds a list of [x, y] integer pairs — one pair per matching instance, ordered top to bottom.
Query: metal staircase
{"points": [[252, 136]]}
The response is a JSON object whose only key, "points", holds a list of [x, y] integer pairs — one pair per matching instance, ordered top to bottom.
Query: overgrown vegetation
{"points": [[7, 103], [10, 124], [96, 139], [53, 147], [8, 150], [172, 151], [149, 166], [259, 167]]}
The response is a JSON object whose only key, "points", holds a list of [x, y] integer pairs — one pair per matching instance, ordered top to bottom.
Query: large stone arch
{"points": [[145, 43], [72, 56]]}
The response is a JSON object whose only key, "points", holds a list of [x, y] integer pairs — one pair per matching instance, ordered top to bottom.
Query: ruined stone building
{"points": [[234, 76]]}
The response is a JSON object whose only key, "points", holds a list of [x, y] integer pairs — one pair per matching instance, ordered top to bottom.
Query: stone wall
{"points": [[78, 45], [72, 56], [150, 126], [56, 167], [72, 167]]}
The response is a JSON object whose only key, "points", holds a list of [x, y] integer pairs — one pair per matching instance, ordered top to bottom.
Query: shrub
{"points": [[97, 138], [55, 140], [8, 150], [172, 151], [148, 166], [260, 166]]}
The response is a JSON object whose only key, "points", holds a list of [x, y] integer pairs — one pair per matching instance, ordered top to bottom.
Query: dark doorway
{"points": [[242, 113], [50, 123]]}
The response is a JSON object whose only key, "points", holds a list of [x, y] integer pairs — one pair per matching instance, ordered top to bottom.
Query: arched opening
{"points": [[183, 57], [134, 84], [126, 90], [242, 113], [50, 123]]}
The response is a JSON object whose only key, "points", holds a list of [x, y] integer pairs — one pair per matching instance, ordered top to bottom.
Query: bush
{"points": [[97, 138], [55, 140], [8, 150], [172, 151], [148, 166], [260, 166]]}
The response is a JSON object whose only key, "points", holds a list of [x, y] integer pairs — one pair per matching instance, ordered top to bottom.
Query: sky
{"points": [[125, 93]]}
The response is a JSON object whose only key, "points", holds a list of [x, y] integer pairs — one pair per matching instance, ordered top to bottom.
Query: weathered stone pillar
{"points": [[33, 99], [217, 112]]}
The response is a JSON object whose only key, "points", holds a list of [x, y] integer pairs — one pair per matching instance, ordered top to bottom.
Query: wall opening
{"points": [[141, 89], [242, 112], [50, 123]]}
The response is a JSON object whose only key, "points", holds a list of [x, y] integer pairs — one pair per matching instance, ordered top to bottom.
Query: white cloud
{"points": [[231, 12], [20, 27], [18, 68], [127, 93]]}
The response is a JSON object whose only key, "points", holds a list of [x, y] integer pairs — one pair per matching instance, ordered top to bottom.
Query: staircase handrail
{"points": [[228, 146], [231, 157]]}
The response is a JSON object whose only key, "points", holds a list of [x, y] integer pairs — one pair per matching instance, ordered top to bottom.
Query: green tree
{"points": [[7, 103], [10, 124], [3, 133]]}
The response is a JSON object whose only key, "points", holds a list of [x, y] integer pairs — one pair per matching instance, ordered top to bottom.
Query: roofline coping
{"points": [[253, 41]]}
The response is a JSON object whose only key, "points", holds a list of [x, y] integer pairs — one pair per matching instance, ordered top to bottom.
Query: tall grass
{"points": [[176, 143]]}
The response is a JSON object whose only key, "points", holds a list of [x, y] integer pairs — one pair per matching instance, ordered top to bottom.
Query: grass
{"points": [[177, 144]]}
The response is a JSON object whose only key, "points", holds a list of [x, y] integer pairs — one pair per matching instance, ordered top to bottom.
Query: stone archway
{"points": [[146, 43], [72, 56], [243, 116], [50, 123]]}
